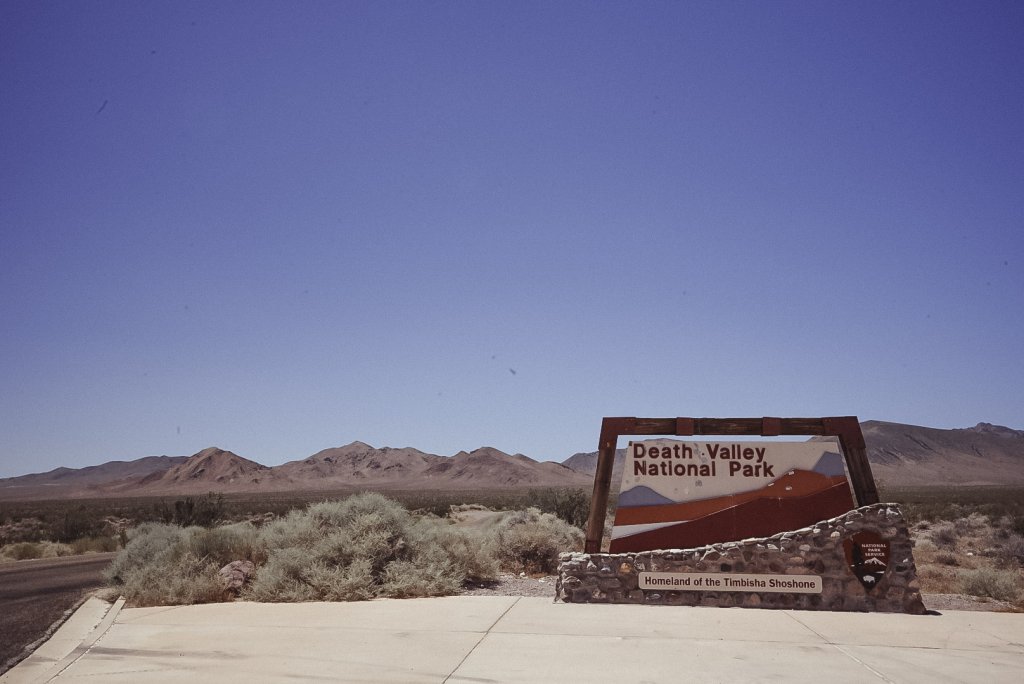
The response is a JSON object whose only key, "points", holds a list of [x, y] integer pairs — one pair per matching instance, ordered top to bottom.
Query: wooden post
{"points": [[610, 430], [851, 441]]}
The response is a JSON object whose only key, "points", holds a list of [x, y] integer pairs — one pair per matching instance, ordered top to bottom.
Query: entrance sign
{"points": [[846, 430], [683, 494], [715, 581]]}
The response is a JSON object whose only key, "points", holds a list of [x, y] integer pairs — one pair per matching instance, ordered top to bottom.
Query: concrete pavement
{"points": [[474, 639]]}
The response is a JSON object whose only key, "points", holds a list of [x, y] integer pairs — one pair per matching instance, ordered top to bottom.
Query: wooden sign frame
{"points": [[845, 428]]}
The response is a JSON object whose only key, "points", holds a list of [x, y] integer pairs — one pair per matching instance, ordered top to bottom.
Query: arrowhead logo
{"points": [[867, 554]]}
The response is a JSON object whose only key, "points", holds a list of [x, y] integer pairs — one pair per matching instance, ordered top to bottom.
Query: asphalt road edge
{"points": [[50, 631], [71, 646]]}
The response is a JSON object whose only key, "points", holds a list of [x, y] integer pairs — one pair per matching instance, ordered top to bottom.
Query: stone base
{"points": [[816, 551]]}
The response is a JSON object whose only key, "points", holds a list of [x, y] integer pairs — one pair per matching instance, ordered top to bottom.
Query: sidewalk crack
{"points": [[482, 637], [840, 649]]}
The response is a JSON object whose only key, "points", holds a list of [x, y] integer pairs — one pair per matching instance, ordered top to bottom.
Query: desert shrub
{"points": [[571, 505], [459, 508], [203, 511], [78, 523], [972, 524], [1017, 524], [296, 529], [22, 530], [944, 536], [530, 541], [150, 544], [93, 545], [221, 545], [361, 547], [358, 548], [32, 550], [21, 551], [1010, 552], [470, 554], [946, 558], [166, 565], [433, 574], [283, 577], [180, 578], [1002, 585]]}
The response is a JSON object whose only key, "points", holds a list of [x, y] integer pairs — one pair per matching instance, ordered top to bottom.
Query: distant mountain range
{"points": [[900, 455], [354, 466]]}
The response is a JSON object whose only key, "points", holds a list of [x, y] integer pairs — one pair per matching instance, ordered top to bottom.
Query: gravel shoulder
{"points": [[514, 585], [941, 602]]}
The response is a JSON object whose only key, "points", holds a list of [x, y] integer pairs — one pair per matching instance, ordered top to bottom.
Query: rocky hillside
{"points": [[910, 455], [586, 462], [359, 463], [488, 467], [211, 468], [52, 484]]}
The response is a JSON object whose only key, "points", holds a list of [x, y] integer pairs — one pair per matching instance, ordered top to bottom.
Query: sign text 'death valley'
{"points": [[684, 494]]}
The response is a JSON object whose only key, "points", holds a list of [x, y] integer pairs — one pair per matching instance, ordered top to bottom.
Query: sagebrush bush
{"points": [[571, 505], [972, 524], [1017, 524], [944, 536], [530, 541], [148, 544], [225, 544], [94, 545], [362, 547], [32, 550], [1010, 552], [471, 554], [166, 565], [181, 579], [1002, 585]]}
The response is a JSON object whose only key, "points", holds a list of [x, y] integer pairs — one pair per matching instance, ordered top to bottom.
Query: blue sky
{"points": [[279, 227]]}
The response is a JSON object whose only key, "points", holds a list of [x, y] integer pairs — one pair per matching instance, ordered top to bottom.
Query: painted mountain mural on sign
{"points": [[665, 511]]}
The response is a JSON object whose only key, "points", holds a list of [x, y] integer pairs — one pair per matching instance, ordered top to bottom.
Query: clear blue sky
{"points": [[280, 227]]}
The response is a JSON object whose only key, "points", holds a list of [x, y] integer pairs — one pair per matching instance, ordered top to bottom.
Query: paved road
{"points": [[35, 593]]}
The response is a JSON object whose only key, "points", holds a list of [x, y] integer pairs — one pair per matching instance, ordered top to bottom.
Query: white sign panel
{"points": [[680, 494]]}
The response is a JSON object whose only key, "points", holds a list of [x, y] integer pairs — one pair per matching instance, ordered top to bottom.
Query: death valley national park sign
{"points": [[684, 494]]}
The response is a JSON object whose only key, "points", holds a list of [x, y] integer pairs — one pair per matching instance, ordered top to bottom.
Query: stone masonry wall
{"points": [[817, 550]]}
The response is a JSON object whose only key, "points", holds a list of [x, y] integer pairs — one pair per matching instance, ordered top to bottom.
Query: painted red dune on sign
{"points": [[800, 483], [788, 503]]}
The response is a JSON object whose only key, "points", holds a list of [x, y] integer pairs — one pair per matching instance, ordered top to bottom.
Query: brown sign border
{"points": [[845, 428]]}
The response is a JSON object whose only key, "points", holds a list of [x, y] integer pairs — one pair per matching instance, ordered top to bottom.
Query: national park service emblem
{"points": [[867, 554]]}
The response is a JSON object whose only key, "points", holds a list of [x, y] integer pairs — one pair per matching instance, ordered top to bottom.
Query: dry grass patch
{"points": [[972, 554]]}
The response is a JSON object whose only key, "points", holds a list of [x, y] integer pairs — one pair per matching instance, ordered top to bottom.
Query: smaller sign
{"points": [[867, 554], [721, 581]]}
